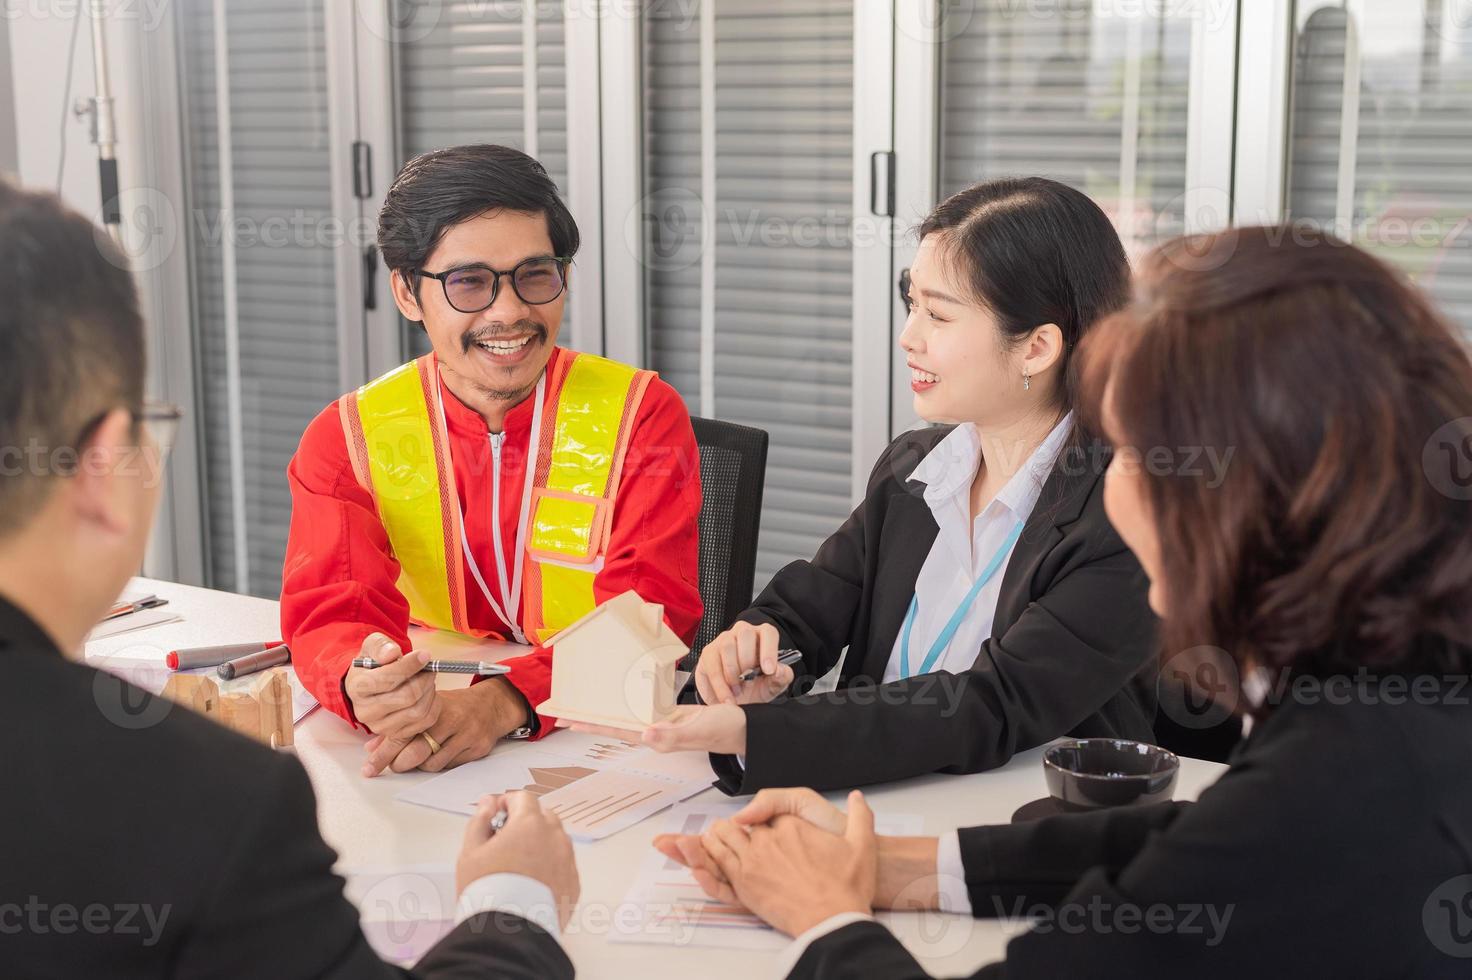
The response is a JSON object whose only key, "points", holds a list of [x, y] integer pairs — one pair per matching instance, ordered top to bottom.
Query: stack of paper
{"points": [[134, 610], [597, 785]]}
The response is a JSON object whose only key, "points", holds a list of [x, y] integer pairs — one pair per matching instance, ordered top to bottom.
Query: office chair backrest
{"points": [[733, 469]]}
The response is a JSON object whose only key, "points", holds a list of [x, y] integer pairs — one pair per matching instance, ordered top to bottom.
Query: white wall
{"points": [[39, 35], [154, 212]]}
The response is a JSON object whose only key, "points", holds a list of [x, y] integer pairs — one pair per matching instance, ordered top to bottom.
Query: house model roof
{"points": [[643, 620]]}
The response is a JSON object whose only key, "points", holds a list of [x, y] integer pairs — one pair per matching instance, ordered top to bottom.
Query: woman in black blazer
{"points": [[1331, 570], [985, 603]]}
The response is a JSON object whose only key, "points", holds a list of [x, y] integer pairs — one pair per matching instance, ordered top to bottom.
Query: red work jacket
{"points": [[339, 580]]}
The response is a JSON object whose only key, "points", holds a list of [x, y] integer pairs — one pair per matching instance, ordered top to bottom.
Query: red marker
{"points": [[193, 657]]}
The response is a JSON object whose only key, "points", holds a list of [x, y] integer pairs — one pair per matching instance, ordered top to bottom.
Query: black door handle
{"points": [[886, 200], [370, 278]]}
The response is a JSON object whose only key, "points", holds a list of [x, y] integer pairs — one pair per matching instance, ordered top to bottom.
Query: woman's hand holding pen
{"points": [[739, 650]]}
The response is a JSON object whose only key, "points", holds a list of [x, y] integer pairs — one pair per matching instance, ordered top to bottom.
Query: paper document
{"points": [[129, 622], [597, 785], [673, 910], [403, 911]]}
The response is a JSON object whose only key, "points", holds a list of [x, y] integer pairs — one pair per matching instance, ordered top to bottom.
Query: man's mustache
{"points": [[485, 334]]}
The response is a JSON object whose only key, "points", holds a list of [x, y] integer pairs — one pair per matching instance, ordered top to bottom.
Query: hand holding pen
{"points": [[745, 665], [480, 668], [513, 834]]}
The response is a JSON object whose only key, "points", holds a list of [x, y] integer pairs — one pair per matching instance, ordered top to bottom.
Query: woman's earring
{"points": [[1026, 381]]}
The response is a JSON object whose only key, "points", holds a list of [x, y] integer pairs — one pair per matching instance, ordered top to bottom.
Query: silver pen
{"points": [[788, 657], [480, 668]]}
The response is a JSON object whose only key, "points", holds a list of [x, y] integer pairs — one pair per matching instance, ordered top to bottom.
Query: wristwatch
{"points": [[533, 725]]}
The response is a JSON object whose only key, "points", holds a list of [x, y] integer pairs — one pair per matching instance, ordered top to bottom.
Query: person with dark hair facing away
{"points": [[500, 485], [1329, 579], [978, 583], [142, 839]]}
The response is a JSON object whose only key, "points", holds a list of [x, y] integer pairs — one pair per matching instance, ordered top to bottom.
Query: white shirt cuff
{"points": [[950, 875], [514, 893], [787, 962]]}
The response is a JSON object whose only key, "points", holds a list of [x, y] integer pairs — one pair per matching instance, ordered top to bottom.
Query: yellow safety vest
{"points": [[400, 453]]}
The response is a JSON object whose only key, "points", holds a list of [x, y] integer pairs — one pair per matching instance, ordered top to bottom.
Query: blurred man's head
{"points": [[450, 221], [79, 476]]}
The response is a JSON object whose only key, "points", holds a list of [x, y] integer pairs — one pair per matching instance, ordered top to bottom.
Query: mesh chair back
{"points": [[733, 469]]}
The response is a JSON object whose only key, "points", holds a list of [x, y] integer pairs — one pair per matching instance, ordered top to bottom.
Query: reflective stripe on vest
{"points": [[400, 454]]}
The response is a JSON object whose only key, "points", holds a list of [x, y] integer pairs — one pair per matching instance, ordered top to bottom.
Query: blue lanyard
{"points": [[946, 635]]}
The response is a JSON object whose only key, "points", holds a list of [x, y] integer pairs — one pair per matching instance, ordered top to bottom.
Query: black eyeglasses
{"points": [[472, 288], [159, 419], [162, 422]]}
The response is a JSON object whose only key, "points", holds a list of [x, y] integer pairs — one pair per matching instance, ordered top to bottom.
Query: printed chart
{"points": [[597, 785]]}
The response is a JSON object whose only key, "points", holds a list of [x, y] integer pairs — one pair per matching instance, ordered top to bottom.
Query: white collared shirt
{"points": [[963, 548]]}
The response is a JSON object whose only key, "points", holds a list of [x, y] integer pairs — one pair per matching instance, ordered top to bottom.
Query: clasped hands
{"points": [[399, 703], [796, 861]]}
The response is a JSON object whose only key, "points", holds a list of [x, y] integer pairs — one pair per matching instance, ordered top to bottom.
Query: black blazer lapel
{"points": [[1059, 505], [909, 533]]}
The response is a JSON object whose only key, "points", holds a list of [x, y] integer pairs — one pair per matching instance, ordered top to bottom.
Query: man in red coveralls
{"points": [[498, 486]]}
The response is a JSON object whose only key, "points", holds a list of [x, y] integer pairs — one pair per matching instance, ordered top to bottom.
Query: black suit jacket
{"points": [[1072, 649], [138, 839], [1339, 844]]}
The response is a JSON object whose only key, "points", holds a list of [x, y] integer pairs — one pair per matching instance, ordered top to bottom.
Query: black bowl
{"points": [[1098, 772]]}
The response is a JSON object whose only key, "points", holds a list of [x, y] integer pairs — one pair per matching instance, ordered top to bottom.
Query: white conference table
{"points": [[369, 828]]}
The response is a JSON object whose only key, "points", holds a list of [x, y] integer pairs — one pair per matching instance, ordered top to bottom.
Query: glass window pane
{"points": [[461, 79], [1093, 95], [1392, 172], [281, 229], [782, 357]]}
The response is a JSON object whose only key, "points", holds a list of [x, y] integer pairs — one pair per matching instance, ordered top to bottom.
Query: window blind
{"points": [[464, 81], [1094, 100], [1409, 195], [283, 265], [781, 354]]}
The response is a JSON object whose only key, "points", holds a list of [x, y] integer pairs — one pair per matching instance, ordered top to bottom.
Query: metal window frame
{"points": [[919, 30], [151, 66], [875, 80], [1264, 91], [1211, 117], [584, 175], [621, 179]]}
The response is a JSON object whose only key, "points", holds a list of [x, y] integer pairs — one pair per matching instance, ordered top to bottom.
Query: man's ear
{"points": [[404, 298], [1044, 348], [108, 467]]}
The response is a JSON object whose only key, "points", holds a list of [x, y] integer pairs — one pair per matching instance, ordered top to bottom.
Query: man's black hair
{"points": [[441, 188], [71, 342]]}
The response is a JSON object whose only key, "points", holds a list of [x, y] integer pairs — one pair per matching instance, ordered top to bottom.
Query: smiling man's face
{"points": [[498, 354]]}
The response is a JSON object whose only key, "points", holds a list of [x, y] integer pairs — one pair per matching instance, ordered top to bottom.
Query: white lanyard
{"points": [[510, 597]]}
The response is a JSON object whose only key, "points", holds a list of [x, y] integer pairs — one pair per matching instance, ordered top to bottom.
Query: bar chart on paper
{"points": [[596, 785]]}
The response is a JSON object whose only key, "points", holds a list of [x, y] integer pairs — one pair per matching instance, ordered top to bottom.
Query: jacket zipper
{"points": [[497, 440]]}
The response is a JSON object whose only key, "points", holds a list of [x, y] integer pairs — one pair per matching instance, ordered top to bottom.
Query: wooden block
{"points": [[259, 706]]}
